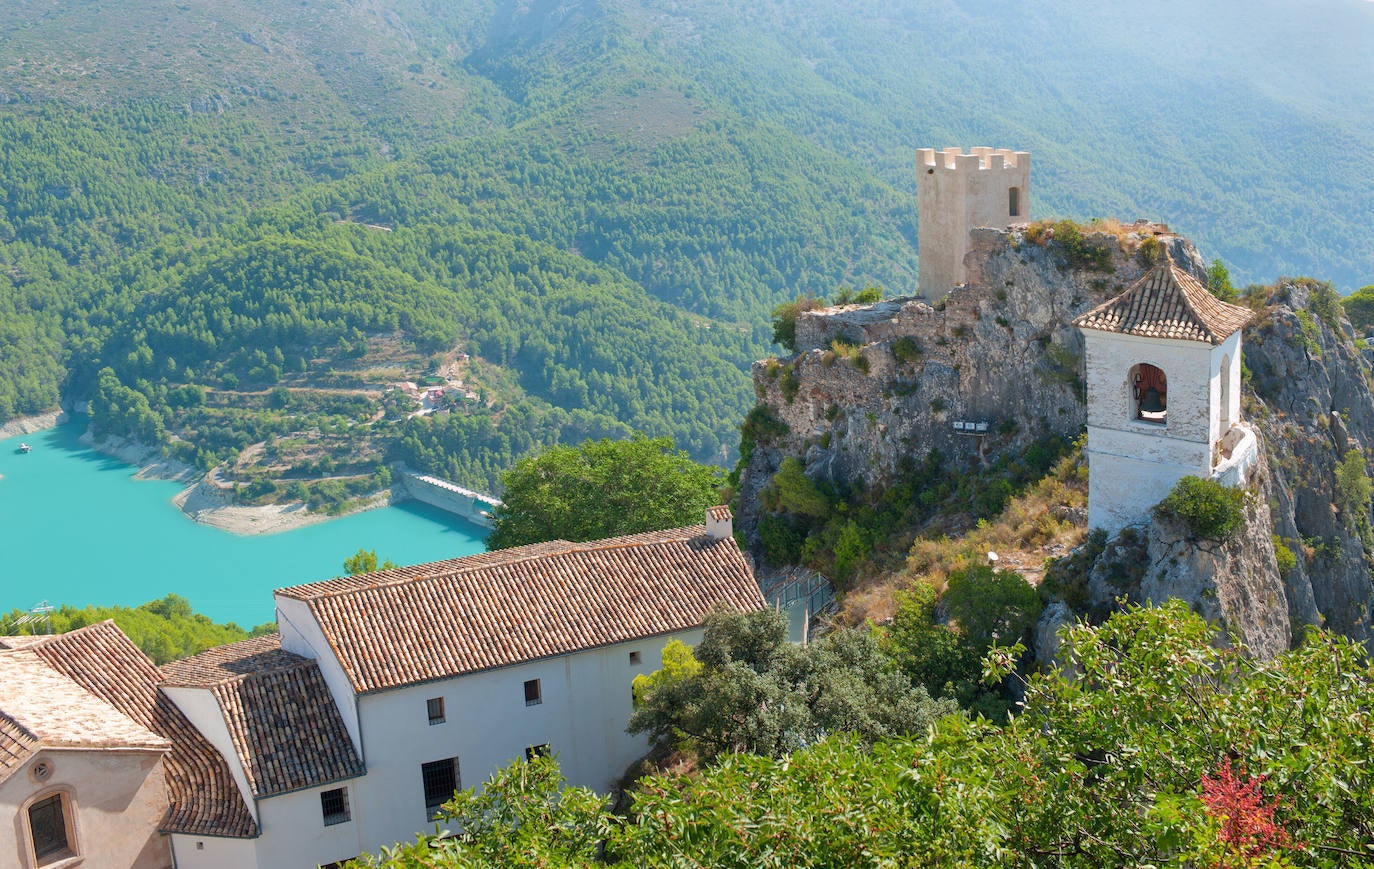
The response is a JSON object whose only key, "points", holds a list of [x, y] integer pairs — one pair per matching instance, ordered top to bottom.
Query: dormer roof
{"points": [[1167, 302], [286, 730]]}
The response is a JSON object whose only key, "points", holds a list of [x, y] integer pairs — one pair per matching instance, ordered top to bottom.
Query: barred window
{"points": [[533, 696], [436, 710], [440, 778], [334, 805]]}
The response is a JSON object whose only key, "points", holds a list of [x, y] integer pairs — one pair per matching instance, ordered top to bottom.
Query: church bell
{"points": [[1152, 402]]}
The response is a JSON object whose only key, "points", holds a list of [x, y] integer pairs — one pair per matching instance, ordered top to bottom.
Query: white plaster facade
{"points": [[956, 192], [1134, 463], [585, 703], [113, 801], [293, 834]]}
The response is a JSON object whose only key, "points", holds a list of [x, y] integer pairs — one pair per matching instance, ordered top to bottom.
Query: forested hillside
{"points": [[236, 224]]}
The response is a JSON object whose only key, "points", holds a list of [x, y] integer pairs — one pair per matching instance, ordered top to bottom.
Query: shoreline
{"points": [[22, 425], [203, 500]]}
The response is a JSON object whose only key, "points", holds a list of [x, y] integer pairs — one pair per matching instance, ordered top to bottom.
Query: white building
{"points": [[956, 192], [1163, 379], [380, 696]]}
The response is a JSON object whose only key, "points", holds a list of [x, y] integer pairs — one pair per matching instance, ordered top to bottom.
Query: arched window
{"points": [[1014, 201], [1149, 394], [51, 829]]}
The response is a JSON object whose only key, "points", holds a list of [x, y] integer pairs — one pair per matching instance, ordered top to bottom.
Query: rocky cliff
{"points": [[994, 366], [871, 385], [1310, 387]]}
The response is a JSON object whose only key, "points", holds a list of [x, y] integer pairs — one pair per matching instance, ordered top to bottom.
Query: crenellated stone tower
{"points": [[956, 192], [1163, 376]]}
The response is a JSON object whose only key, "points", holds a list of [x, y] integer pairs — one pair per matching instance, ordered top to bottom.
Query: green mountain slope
{"points": [[602, 200]]}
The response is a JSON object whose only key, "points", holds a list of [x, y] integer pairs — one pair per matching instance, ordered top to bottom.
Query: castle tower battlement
{"points": [[956, 192]]}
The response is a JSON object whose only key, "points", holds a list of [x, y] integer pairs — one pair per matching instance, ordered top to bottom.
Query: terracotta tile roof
{"points": [[1167, 302], [719, 514], [432, 621], [213, 666], [60, 713], [286, 729], [17, 745], [203, 798]]}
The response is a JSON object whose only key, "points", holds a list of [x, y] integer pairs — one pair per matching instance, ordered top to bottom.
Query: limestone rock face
{"points": [[1000, 352], [1313, 403], [1234, 583]]}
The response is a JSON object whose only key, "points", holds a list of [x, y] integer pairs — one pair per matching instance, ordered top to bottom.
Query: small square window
{"points": [[635, 659], [532, 695], [436, 710], [533, 751], [440, 779], [334, 806]]}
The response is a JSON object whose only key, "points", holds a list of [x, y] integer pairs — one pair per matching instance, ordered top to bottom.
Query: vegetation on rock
{"points": [[1209, 509]]}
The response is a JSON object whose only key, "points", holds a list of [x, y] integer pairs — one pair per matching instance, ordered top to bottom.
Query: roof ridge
{"points": [[1167, 302], [394, 576]]}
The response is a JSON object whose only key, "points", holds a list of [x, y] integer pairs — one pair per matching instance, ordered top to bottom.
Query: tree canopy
{"points": [[602, 488], [751, 690], [1156, 748]]}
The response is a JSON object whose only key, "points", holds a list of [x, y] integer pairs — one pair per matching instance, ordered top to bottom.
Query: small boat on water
{"points": [[24, 448]]}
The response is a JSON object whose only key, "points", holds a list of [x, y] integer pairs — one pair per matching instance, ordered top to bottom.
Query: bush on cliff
{"points": [[1208, 509]]}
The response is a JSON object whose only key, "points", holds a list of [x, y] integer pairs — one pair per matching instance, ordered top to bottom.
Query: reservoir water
{"points": [[77, 528]]}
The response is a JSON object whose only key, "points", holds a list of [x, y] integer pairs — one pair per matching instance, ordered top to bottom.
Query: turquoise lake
{"points": [[77, 528]]}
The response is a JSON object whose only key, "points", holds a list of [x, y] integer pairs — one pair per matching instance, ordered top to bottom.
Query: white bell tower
{"points": [[1163, 376]]}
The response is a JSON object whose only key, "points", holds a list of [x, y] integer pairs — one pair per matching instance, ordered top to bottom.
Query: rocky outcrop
{"points": [[995, 365], [873, 385], [1312, 399], [1232, 582]]}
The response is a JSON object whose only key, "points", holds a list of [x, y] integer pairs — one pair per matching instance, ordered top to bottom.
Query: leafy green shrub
{"points": [[1068, 237], [1149, 252], [1219, 281], [868, 295], [1326, 304], [1359, 307], [785, 320], [906, 350], [789, 385], [1353, 487], [1208, 509], [780, 538], [1283, 555]]}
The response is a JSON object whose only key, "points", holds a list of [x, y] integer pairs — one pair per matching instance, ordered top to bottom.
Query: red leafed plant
{"points": [[1247, 821]]}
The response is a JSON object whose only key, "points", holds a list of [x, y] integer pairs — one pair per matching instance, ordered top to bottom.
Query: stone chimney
{"points": [[720, 523]]}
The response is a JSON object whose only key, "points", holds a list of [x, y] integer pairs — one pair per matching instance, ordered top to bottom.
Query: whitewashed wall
{"points": [[1133, 464], [300, 633], [586, 705], [202, 709]]}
